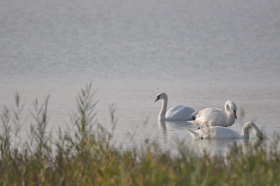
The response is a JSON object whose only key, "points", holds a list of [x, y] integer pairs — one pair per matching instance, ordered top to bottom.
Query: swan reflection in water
{"points": [[173, 125], [170, 130], [173, 130], [222, 146]]}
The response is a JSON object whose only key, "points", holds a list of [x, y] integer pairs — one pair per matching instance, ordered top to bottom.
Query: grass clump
{"points": [[88, 157]]}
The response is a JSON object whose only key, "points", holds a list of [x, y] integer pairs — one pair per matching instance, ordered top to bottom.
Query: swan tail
{"points": [[193, 134]]}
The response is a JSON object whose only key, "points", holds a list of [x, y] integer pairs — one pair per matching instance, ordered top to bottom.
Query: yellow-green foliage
{"points": [[89, 158]]}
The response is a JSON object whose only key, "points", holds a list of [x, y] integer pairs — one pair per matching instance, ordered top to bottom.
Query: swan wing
{"points": [[180, 112], [211, 116], [219, 132]]}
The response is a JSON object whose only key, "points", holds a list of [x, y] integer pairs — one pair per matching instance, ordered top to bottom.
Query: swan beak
{"points": [[157, 99], [234, 113]]}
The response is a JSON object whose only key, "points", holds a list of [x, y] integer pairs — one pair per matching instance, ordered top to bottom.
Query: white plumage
{"points": [[178, 112], [217, 117], [218, 132]]}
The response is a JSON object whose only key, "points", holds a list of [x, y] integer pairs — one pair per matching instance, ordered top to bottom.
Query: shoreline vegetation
{"points": [[88, 156]]}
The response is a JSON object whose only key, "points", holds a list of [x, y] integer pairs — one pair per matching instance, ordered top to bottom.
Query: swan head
{"points": [[161, 96], [231, 107], [256, 130], [259, 135]]}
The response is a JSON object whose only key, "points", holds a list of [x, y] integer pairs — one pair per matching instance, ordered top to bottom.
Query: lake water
{"points": [[201, 53]]}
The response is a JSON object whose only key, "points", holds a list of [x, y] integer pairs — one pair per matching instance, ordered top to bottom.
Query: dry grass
{"points": [[88, 157]]}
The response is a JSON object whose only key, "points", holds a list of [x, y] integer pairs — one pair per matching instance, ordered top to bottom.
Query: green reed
{"points": [[88, 157]]}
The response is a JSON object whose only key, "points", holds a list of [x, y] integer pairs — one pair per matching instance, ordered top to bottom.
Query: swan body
{"points": [[178, 112], [217, 117], [218, 132]]}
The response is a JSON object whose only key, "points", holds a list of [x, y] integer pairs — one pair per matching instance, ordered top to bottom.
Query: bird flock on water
{"points": [[211, 122]]}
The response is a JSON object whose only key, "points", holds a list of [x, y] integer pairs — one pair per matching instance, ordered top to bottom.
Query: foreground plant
{"points": [[88, 157]]}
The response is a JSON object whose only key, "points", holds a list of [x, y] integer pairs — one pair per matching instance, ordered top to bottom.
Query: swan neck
{"points": [[227, 109], [162, 113], [230, 115], [230, 119], [256, 130], [245, 131]]}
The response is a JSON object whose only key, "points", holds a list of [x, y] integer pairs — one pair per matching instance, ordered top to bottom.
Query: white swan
{"points": [[176, 113], [217, 117], [217, 132]]}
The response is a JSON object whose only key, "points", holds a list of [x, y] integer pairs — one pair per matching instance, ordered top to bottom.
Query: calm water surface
{"points": [[201, 53]]}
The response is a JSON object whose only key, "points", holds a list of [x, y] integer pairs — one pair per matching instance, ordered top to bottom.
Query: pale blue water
{"points": [[201, 53]]}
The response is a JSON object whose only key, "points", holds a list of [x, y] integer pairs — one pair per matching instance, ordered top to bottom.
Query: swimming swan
{"points": [[176, 113], [217, 117], [217, 132]]}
